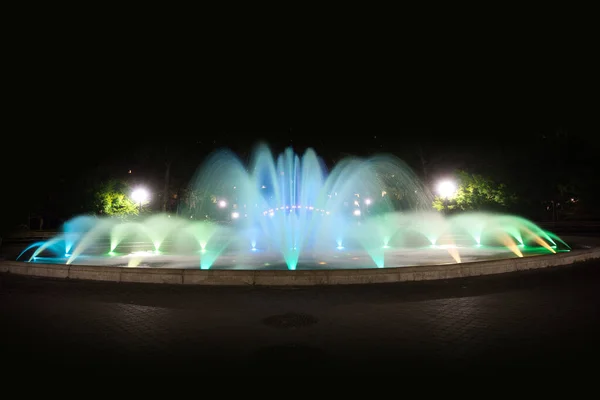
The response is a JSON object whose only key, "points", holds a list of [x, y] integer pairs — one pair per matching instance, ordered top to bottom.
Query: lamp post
{"points": [[446, 189], [140, 195]]}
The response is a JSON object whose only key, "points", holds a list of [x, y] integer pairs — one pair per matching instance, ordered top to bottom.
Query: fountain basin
{"points": [[298, 277]]}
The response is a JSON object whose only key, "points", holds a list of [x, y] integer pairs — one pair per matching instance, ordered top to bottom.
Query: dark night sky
{"points": [[74, 149]]}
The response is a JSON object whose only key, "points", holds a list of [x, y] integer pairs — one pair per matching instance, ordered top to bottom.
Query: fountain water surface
{"points": [[289, 212]]}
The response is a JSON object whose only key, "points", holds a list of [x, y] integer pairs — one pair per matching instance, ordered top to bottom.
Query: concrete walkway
{"points": [[528, 321]]}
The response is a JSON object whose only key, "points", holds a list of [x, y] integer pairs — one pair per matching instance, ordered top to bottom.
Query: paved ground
{"points": [[544, 320]]}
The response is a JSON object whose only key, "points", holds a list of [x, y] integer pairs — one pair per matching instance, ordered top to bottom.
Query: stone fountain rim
{"points": [[298, 277]]}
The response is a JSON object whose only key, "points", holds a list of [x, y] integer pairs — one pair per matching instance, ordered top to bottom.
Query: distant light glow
{"points": [[446, 189], [140, 195], [367, 201], [222, 203], [356, 213], [235, 215]]}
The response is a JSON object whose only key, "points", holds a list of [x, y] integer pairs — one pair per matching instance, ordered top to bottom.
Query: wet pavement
{"points": [[542, 320]]}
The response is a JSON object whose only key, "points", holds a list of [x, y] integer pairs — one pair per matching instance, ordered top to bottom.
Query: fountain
{"points": [[288, 212]]}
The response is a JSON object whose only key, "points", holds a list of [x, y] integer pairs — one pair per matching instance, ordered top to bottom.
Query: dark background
{"points": [[89, 100], [54, 157]]}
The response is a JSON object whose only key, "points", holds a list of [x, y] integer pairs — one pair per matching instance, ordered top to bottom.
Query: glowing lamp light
{"points": [[446, 189], [140, 195], [367, 201], [356, 213], [235, 215]]}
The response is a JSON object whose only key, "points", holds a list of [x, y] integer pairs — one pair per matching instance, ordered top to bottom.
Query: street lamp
{"points": [[446, 189], [140, 195]]}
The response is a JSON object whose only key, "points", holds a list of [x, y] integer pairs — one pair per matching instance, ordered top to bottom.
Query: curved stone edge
{"points": [[296, 278]]}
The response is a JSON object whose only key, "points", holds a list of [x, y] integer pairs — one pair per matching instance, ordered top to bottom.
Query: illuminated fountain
{"points": [[288, 212]]}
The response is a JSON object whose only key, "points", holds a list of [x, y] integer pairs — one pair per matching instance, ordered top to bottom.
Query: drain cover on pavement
{"points": [[290, 320]]}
